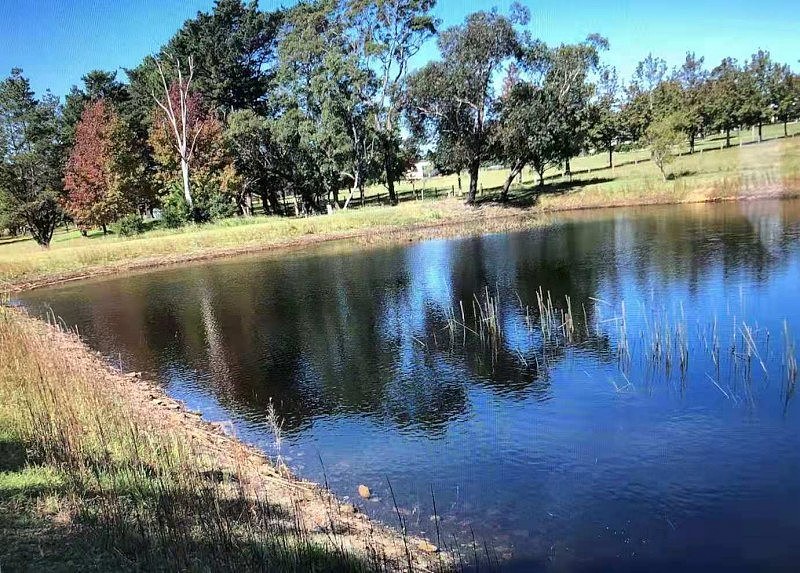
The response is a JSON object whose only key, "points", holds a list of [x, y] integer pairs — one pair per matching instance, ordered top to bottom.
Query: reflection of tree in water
{"points": [[365, 333]]}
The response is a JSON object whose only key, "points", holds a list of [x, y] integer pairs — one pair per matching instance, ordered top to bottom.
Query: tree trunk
{"points": [[785, 130], [728, 137], [760, 138], [691, 142], [388, 157], [611, 157], [474, 167], [541, 178], [509, 180], [460, 189], [187, 193], [264, 194], [105, 229]]}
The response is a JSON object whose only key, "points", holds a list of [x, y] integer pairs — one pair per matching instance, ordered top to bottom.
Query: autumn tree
{"points": [[97, 84], [183, 117], [192, 138], [98, 179]]}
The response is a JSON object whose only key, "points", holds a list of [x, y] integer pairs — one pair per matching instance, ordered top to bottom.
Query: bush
{"points": [[209, 204], [174, 211], [130, 225]]}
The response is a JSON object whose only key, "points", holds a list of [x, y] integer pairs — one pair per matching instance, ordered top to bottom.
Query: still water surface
{"points": [[659, 433]]}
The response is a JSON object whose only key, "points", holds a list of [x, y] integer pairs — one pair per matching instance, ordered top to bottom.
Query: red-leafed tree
{"points": [[184, 121], [198, 146], [93, 177]]}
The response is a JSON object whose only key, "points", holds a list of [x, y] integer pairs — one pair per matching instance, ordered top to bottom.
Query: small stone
{"points": [[364, 491], [347, 508], [427, 546]]}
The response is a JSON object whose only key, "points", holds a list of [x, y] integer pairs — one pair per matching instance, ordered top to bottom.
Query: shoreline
{"points": [[483, 219], [328, 520]]}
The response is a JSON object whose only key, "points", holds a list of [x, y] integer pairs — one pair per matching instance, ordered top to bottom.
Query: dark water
{"points": [[660, 433]]}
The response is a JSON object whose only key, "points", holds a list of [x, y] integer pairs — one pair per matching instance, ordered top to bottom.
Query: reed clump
{"points": [[92, 479]]}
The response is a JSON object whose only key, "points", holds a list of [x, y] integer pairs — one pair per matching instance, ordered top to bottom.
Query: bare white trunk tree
{"points": [[185, 129]]}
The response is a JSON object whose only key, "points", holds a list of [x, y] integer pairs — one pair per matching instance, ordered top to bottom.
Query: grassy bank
{"points": [[770, 169], [100, 471]]}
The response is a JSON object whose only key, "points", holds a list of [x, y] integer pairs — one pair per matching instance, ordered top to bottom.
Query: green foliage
{"points": [[388, 33], [451, 101], [543, 120], [662, 137], [31, 158], [174, 210], [130, 225]]}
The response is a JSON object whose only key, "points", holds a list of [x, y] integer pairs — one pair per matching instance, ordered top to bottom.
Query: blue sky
{"points": [[56, 42]]}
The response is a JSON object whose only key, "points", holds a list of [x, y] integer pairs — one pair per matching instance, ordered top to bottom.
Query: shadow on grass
{"points": [[531, 193], [13, 454], [130, 518]]}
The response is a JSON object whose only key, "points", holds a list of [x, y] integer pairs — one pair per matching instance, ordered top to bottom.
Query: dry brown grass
{"points": [[141, 483]]}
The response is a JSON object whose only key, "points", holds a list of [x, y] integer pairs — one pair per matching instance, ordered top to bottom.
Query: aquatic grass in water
{"points": [[664, 344]]}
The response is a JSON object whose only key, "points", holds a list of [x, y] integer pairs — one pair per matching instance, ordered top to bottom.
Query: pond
{"points": [[612, 389]]}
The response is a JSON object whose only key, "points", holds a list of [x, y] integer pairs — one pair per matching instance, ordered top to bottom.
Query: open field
{"points": [[768, 169], [491, 179], [100, 471]]}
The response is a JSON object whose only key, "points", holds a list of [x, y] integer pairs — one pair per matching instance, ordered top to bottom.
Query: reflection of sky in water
{"points": [[582, 462]]}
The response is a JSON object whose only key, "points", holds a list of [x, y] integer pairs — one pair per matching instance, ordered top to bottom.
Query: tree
{"points": [[388, 34], [233, 48], [566, 75], [692, 78], [98, 84], [785, 91], [725, 97], [454, 98], [759, 100], [323, 107], [638, 110], [184, 117], [543, 119], [605, 124], [528, 131], [662, 135], [248, 140], [449, 156], [31, 157], [206, 157], [96, 178]]}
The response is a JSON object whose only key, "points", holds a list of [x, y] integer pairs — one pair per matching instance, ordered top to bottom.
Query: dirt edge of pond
{"points": [[483, 219], [318, 511]]}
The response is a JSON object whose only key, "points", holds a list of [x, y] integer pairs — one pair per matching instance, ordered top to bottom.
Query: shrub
{"points": [[174, 211], [130, 225]]}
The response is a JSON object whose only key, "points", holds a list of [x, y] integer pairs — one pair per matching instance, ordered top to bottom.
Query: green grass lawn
{"points": [[711, 173], [492, 179]]}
